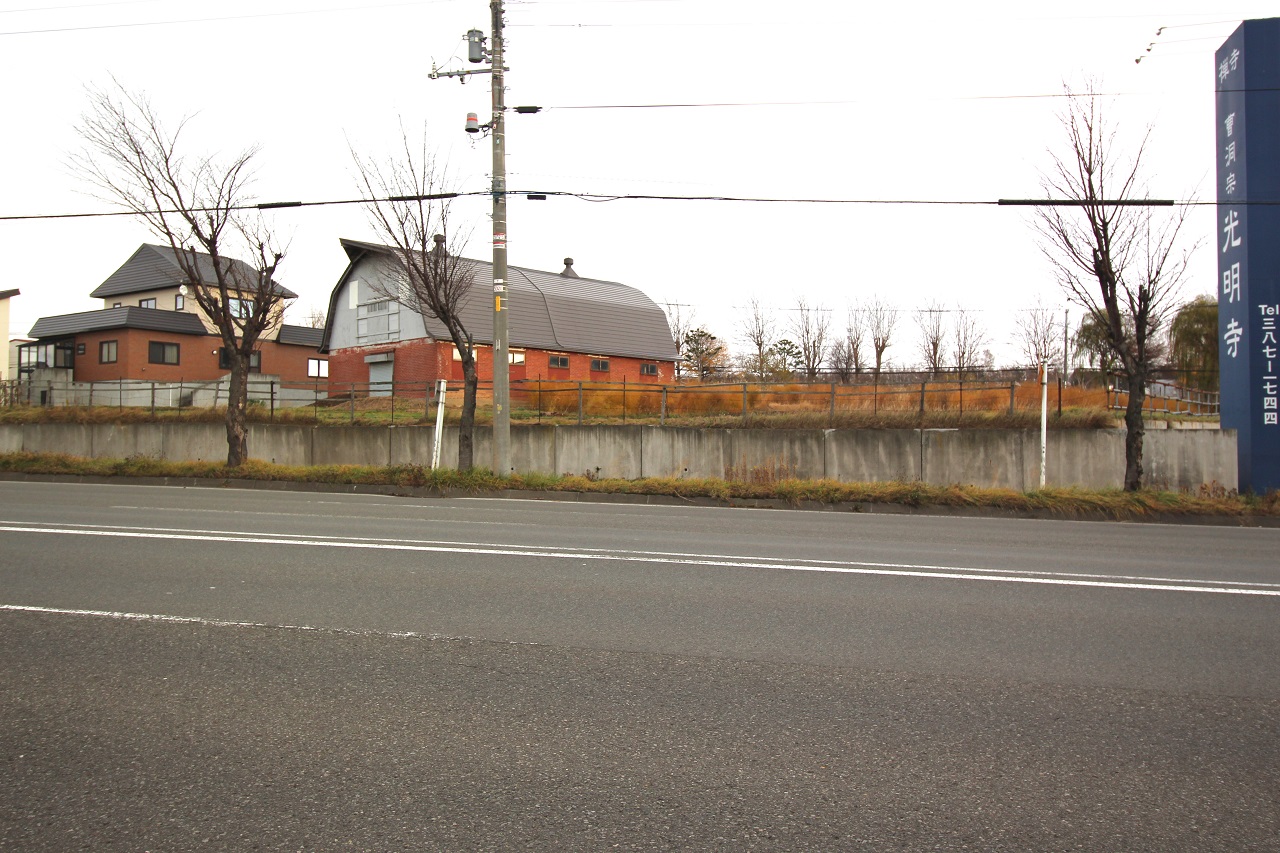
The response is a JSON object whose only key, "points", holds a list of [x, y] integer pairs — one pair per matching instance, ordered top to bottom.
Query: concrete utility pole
{"points": [[497, 127], [501, 375]]}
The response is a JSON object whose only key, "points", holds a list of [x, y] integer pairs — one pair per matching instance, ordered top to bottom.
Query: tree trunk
{"points": [[237, 403], [467, 421], [1135, 430]]}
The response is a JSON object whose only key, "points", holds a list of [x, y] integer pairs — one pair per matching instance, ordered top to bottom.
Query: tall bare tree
{"points": [[407, 201], [198, 205], [1114, 255], [681, 320], [882, 320], [931, 322], [811, 326], [759, 331], [1038, 334], [855, 336], [968, 339]]}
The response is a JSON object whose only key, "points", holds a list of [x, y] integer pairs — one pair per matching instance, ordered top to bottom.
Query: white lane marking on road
{"points": [[682, 556], [941, 572], [215, 623]]}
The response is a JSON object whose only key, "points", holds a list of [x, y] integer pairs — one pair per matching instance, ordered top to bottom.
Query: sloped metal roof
{"points": [[153, 267], [554, 312], [126, 317], [300, 336]]}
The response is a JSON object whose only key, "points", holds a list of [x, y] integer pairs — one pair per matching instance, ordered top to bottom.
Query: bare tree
{"points": [[196, 204], [408, 204], [1114, 256], [314, 318], [681, 320], [882, 320], [811, 327], [758, 330], [1038, 334], [855, 336], [933, 337], [968, 339], [847, 353], [840, 357]]}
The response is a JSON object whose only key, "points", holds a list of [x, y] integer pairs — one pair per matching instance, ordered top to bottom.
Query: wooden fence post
{"points": [[923, 385], [1013, 390], [579, 404], [744, 404], [662, 414]]}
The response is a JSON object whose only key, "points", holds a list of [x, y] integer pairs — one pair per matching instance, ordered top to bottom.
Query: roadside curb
{"points": [[650, 500]]}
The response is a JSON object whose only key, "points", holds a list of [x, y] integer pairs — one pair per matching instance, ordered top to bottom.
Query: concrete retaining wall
{"points": [[1008, 459]]}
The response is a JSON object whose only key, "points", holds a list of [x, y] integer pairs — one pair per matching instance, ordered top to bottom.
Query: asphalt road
{"points": [[223, 669]]}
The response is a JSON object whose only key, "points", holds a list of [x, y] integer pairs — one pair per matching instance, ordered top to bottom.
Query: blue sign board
{"points": [[1247, 68]]}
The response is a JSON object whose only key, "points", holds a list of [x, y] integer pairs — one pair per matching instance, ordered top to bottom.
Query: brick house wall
{"points": [[197, 358], [424, 361]]}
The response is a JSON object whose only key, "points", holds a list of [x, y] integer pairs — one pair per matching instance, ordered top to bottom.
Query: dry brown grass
{"points": [[767, 482]]}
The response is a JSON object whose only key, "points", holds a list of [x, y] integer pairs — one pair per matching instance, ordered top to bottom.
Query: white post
{"points": [[1044, 417], [435, 445]]}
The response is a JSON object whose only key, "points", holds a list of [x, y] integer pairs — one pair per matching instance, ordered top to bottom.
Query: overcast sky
{"points": [[927, 101]]}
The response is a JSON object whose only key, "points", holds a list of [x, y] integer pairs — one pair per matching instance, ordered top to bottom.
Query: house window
{"points": [[179, 302], [146, 303], [115, 304], [241, 309], [377, 321], [79, 349], [107, 352], [159, 352], [515, 357], [224, 360], [559, 362], [600, 365], [318, 368], [648, 370]]}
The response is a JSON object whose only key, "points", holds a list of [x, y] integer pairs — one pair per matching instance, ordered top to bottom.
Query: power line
{"points": [[714, 104], [600, 197]]}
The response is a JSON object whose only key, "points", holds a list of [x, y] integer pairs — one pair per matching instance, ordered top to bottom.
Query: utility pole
{"points": [[497, 128], [501, 376]]}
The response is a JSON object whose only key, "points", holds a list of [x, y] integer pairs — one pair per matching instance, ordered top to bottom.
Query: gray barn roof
{"points": [[153, 267], [555, 312], [126, 317]]}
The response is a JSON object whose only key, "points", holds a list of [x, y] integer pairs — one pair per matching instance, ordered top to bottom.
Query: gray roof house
{"points": [[153, 267], [145, 301], [559, 312]]}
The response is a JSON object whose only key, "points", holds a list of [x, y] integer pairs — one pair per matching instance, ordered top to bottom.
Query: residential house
{"points": [[5, 296], [561, 327], [151, 328]]}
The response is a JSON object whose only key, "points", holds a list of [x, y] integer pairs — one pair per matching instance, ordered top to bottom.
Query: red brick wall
{"points": [[197, 358], [416, 361], [424, 361], [537, 365]]}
